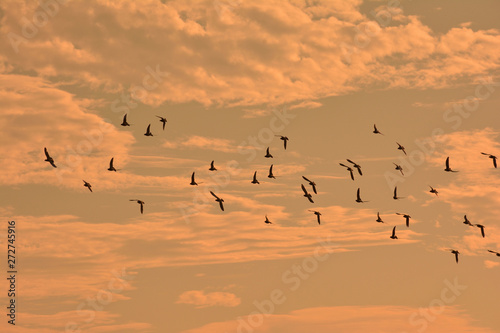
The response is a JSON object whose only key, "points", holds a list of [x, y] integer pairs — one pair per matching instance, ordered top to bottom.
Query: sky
{"points": [[232, 77]]}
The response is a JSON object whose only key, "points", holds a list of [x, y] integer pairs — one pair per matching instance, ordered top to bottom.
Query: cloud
{"points": [[200, 142], [491, 264], [200, 299]]}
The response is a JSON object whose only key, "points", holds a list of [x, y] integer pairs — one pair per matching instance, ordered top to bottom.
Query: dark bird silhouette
{"points": [[163, 120], [124, 122], [375, 130], [148, 131], [284, 138], [401, 148], [268, 155], [493, 157], [48, 158], [357, 166], [111, 167], [399, 167], [212, 168], [349, 169], [448, 169], [270, 175], [192, 179], [255, 181], [86, 184], [313, 184], [433, 190], [306, 194], [395, 196], [358, 197], [219, 200], [140, 202], [318, 214], [407, 217], [378, 218], [267, 221], [466, 221], [481, 227], [393, 236], [456, 253], [498, 254]]}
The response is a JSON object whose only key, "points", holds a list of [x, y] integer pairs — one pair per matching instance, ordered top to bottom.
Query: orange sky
{"points": [[230, 76]]}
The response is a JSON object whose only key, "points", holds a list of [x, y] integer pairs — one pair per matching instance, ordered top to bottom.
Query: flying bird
{"points": [[163, 120], [124, 122], [375, 130], [148, 132], [284, 138], [401, 148], [268, 154], [493, 157], [48, 158], [357, 166], [111, 167], [399, 167], [212, 168], [349, 169], [448, 169], [270, 175], [192, 180], [255, 181], [86, 184], [313, 184], [433, 190], [306, 194], [395, 196], [358, 197], [219, 200], [140, 202], [318, 214], [407, 217], [378, 218], [267, 221], [466, 221], [481, 227], [393, 236], [456, 253], [497, 253]]}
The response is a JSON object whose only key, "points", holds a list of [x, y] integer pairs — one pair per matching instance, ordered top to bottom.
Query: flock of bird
{"points": [[350, 168]]}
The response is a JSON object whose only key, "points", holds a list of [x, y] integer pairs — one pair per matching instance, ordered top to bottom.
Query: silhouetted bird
{"points": [[163, 120], [124, 122], [375, 130], [148, 131], [284, 138], [401, 148], [268, 155], [493, 157], [48, 158], [357, 166], [111, 167], [399, 167], [212, 168], [349, 169], [448, 169], [270, 175], [192, 180], [255, 181], [87, 184], [313, 184], [433, 190], [306, 194], [395, 196], [358, 197], [219, 200], [140, 202], [318, 214], [407, 217], [378, 218], [267, 221], [466, 221], [480, 226], [393, 236], [456, 253], [498, 254]]}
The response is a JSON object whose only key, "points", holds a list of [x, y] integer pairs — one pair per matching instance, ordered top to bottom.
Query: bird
{"points": [[163, 120], [124, 122], [375, 130], [148, 132], [284, 138], [401, 148], [268, 155], [493, 157], [48, 158], [357, 166], [111, 167], [399, 167], [212, 168], [348, 169], [448, 169], [270, 175], [192, 180], [255, 181], [87, 184], [313, 184], [433, 190], [306, 194], [395, 196], [358, 197], [219, 200], [140, 202], [318, 214], [407, 217], [378, 218], [267, 221], [466, 221], [481, 227], [393, 236], [456, 253], [497, 253]]}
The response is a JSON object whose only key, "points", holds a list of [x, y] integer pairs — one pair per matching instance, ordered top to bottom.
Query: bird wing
{"points": [[125, 118], [149, 126], [375, 127], [284, 141], [46, 153], [485, 154], [348, 160], [448, 162], [495, 162], [111, 163], [212, 164], [343, 165], [271, 169], [359, 170], [352, 175], [255, 176], [192, 177], [307, 180], [314, 188], [304, 189], [395, 192], [214, 194], [359, 198], [310, 199], [221, 205], [142, 207], [319, 221], [394, 231]]}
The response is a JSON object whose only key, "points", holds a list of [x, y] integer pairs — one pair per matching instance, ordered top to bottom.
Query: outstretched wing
{"points": [[307, 180], [304, 189], [212, 193]]}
